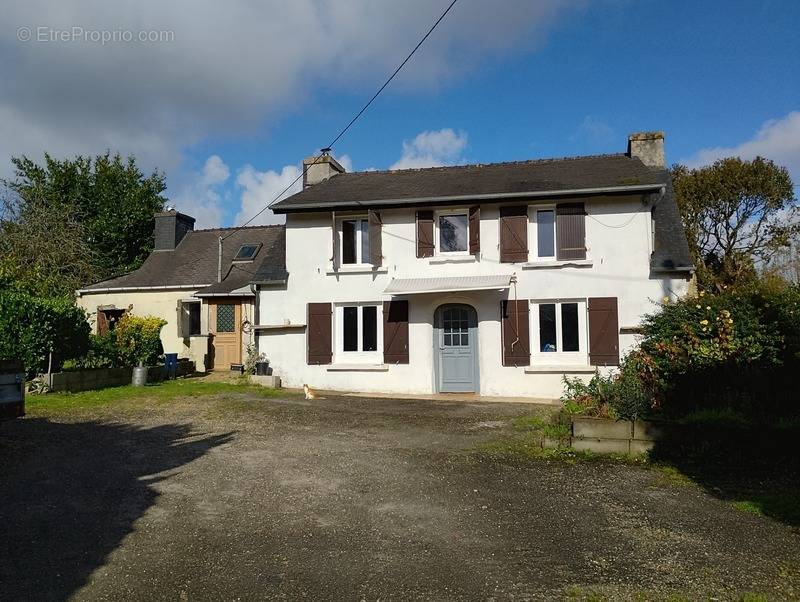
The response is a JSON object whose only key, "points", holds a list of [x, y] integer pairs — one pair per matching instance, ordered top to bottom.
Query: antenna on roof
{"points": [[325, 151]]}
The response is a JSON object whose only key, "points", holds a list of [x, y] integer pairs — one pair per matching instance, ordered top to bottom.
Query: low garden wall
{"points": [[102, 378], [603, 436]]}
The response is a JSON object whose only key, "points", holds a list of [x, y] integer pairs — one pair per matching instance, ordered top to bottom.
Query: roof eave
{"points": [[328, 206]]}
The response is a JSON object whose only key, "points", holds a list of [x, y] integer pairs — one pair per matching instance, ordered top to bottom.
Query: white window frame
{"points": [[442, 213], [533, 233], [359, 235], [358, 357], [580, 357]]}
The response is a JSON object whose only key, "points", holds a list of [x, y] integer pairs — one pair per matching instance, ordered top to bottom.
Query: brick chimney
{"points": [[649, 147], [320, 168], [170, 229]]}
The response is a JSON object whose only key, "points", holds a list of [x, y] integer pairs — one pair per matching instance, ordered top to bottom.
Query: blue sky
{"points": [[562, 79]]}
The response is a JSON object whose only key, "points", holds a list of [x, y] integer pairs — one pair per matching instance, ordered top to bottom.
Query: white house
{"points": [[497, 279]]}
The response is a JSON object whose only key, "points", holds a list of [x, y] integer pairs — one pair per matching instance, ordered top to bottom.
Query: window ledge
{"points": [[458, 259], [569, 263], [358, 269], [278, 326], [358, 368], [576, 368]]}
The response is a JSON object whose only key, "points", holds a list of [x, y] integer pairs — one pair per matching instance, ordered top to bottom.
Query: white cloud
{"points": [[230, 67], [595, 131], [777, 139], [431, 149], [260, 188], [201, 197]]}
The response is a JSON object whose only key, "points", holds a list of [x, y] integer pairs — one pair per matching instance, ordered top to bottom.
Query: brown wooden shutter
{"points": [[475, 230], [570, 231], [424, 233], [513, 234], [375, 238], [336, 256], [102, 322], [183, 331], [603, 331], [395, 332], [319, 333], [516, 333]]}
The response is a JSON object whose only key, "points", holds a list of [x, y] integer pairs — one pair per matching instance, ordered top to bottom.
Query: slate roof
{"points": [[442, 185], [418, 186], [194, 262]]}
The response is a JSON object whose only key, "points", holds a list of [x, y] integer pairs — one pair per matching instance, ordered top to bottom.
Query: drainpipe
{"points": [[219, 261]]}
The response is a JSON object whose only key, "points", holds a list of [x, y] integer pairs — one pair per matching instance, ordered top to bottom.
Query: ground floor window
{"points": [[189, 324], [559, 330], [358, 332]]}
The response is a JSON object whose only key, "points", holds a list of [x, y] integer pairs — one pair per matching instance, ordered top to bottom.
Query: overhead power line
{"points": [[352, 121]]}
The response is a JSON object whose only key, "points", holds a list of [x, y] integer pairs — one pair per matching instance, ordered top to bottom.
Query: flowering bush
{"points": [[140, 338], [734, 349]]}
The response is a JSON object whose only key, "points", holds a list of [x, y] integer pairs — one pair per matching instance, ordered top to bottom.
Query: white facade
{"points": [[618, 237]]}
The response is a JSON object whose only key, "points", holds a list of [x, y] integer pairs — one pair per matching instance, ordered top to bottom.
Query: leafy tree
{"points": [[110, 198], [737, 214], [43, 249]]}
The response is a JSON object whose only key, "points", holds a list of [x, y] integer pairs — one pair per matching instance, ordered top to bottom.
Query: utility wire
{"points": [[352, 121]]}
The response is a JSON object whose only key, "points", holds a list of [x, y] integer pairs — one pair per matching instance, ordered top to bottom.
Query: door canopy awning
{"points": [[416, 286]]}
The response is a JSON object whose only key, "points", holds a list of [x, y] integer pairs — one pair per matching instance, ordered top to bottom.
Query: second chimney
{"points": [[648, 147], [320, 168], [171, 227]]}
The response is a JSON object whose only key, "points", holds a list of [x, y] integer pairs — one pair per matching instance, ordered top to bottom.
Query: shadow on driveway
{"points": [[69, 494]]}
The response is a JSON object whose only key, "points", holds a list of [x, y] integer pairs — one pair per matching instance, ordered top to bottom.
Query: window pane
{"points": [[452, 233], [545, 233], [349, 241], [364, 241], [194, 317], [226, 317], [547, 327], [569, 327], [350, 328], [369, 329], [448, 340], [465, 340]]}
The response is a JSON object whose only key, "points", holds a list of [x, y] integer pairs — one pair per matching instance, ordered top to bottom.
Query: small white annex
{"points": [[496, 279]]}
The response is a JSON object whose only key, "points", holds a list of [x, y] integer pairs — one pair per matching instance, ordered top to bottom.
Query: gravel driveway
{"points": [[235, 497]]}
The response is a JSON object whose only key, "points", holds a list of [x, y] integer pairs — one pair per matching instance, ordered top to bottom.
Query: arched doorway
{"points": [[455, 347]]}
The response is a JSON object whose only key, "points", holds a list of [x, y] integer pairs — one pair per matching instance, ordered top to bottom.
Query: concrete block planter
{"points": [[272, 381], [599, 428], [603, 436]]}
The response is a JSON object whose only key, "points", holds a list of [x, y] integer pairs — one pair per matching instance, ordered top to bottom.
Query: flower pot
{"points": [[139, 376]]}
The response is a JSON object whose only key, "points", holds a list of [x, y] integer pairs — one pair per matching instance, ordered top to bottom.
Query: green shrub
{"points": [[32, 327], [139, 338], [737, 349], [104, 352], [626, 394]]}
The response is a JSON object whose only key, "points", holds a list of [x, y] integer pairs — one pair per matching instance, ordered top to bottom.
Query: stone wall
{"points": [[102, 378]]}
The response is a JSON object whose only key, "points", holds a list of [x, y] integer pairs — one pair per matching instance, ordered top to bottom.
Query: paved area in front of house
{"points": [[235, 497]]}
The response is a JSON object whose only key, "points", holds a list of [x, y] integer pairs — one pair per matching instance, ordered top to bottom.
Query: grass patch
{"points": [[157, 392], [549, 429], [527, 446], [671, 476], [783, 505]]}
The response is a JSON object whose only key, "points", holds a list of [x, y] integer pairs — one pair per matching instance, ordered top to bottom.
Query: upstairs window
{"points": [[546, 233], [453, 234], [355, 241]]}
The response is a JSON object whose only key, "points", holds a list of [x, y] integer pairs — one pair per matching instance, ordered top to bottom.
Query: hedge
{"points": [[32, 327]]}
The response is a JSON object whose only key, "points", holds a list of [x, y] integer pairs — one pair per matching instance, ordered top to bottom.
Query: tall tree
{"points": [[110, 198], [737, 214], [43, 249]]}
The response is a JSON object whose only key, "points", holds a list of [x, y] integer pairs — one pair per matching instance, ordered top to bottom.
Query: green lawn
{"points": [[156, 392]]}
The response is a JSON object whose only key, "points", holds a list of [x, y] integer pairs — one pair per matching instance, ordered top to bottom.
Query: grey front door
{"points": [[455, 346]]}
